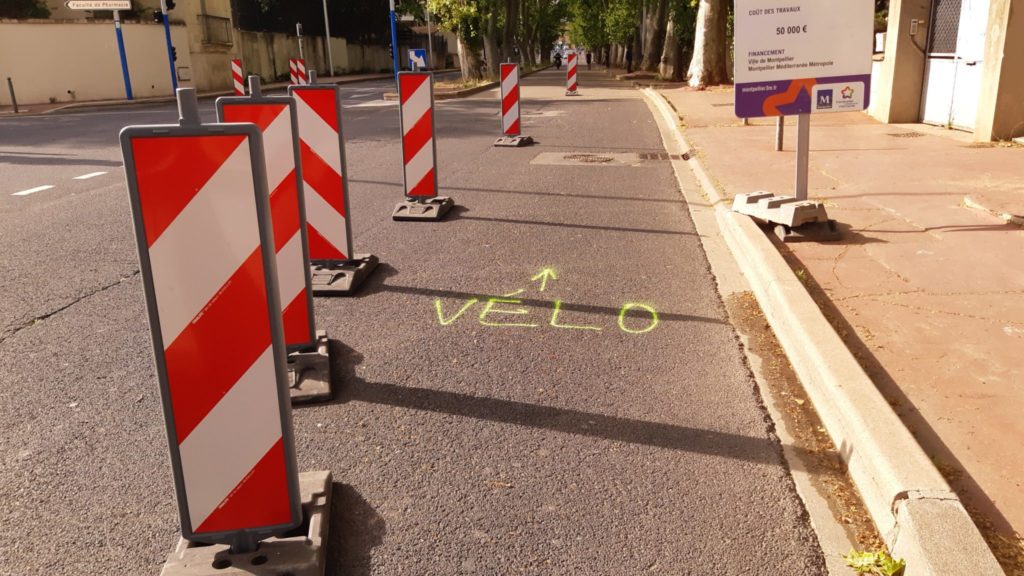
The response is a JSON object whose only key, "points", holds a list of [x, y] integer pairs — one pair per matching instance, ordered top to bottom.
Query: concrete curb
{"points": [[392, 96], [166, 99], [920, 517]]}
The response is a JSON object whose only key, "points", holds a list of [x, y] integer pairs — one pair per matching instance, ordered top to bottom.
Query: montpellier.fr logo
{"points": [[847, 93], [824, 99]]}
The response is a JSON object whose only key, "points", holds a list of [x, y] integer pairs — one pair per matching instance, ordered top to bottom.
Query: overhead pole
{"points": [[327, 38], [394, 40], [430, 42], [170, 47]]}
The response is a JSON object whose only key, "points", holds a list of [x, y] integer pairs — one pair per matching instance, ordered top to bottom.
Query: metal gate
{"points": [[952, 75]]}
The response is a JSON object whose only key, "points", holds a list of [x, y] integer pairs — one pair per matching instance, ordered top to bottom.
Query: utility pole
{"points": [[166, 5], [327, 33], [298, 34], [394, 41], [430, 42], [120, 50]]}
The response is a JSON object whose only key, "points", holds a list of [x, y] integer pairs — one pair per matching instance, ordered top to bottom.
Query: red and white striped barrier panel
{"points": [[297, 71], [570, 74], [238, 77], [510, 99], [276, 119], [511, 127], [419, 151], [203, 234], [336, 269]]}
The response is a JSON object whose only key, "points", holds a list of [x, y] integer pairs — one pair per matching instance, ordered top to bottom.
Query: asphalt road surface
{"points": [[601, 422]]}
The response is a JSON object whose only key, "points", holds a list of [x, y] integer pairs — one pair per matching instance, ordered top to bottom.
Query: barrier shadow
{"points": [[505, 191], [764, 450], [355, 530]]}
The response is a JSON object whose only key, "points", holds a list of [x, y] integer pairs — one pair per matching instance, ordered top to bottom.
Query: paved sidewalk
{"points": [[925, 287]]}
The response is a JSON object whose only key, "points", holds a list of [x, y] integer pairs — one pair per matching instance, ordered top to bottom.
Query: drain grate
{"points": [[905, 134], [663, 156], [587, 158]]}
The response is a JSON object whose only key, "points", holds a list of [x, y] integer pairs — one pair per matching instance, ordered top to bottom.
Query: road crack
{"points": [[46, 316]]}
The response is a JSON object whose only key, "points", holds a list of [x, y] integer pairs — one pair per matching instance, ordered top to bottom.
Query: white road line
{"points": [[89, 175], [33, 190]]}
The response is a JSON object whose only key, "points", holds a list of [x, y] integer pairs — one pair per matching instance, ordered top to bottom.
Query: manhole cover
{"points": [[905, 134], [587, 158]]}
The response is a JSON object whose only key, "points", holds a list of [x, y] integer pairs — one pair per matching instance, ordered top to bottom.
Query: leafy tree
{"points": [[24, 9]]}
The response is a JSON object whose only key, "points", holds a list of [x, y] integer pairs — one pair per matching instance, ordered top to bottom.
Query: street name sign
{"points": [[99, 4], [802, 56]]}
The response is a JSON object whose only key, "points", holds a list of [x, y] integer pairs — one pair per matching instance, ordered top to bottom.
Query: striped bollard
{"points": [[570, 74], [237, 77], [511, 128], [419, 150], [202, 228], [335, 268], [308, 361]]}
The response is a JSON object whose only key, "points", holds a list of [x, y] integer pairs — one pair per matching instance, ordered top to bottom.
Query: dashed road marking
{"points": [[89, 175], [33, 190]]}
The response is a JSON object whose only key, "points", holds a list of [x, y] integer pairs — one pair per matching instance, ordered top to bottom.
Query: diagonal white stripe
{"points": [[236, 67], [572, 80], [509, 83], [239, 87], [416, 106], [509, 117], [318, 135], [279, 149], [420, 164], [322, 217], [207, 242], [291, 269], [231, 439]]}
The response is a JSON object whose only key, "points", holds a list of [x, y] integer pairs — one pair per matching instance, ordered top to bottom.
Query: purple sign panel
{"points": [[803, 96]]}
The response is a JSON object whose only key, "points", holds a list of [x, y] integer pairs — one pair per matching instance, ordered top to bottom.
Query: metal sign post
{"points": [[116, 6], [394, 39], [806, 57], [276, 118], [202, 223]]}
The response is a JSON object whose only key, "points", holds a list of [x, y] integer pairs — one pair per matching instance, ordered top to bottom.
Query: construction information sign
{"points": [[802, 56]]}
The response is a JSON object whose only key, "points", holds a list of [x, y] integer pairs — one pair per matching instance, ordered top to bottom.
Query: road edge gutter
{"points": [[921, 519]]}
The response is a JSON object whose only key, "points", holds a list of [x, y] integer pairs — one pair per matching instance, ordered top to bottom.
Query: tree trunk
{"points": [[511, 27], [654, 34], [491, 55], [672, 56], [469, 61], [709, 66]]}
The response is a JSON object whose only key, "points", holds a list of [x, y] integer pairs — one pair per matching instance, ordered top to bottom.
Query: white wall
{"points": [[47, 59]]}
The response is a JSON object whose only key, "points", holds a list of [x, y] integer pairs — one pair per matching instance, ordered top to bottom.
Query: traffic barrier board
{"points": [[297, 71], [570, 74], [238, 77], [276, 118], [510, 119], [419, 149], [201, 215], [336, 270]]}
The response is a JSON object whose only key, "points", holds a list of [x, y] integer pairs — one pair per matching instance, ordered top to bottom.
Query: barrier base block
{"points": [[571, 93], [514, 141], [429, 209], [341, 277], [309, 372], [301, 552]]}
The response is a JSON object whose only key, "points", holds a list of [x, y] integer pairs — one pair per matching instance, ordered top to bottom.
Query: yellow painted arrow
{"points": [[545, 275]]}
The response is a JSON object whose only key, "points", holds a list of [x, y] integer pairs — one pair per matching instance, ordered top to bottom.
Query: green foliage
{"points": [[24, 9], [621, 20], [878, 563]]}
